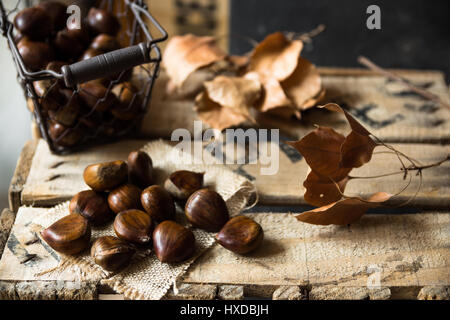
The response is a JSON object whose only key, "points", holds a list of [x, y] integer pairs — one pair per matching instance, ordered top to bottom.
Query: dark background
{"points": [[414, 33]]}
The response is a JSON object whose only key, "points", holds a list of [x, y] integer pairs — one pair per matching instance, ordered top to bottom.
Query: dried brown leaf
{"points": [[185, 54], [276, 57], [303, 85], [354, 124], [356, 150], [322, 151], [321, 191], [343, 212]]}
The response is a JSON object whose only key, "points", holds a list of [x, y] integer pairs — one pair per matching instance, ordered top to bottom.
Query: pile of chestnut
{"points": [[45, 40], [144, 215]]}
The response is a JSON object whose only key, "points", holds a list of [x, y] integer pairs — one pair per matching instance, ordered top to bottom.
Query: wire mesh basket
{"points": [[87, 85]]}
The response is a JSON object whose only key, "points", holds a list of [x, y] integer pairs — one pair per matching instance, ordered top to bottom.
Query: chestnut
{"points": [[57, 12], [102, 21], [34, 23], [105, 43], [68, 44], [90, 53], [35, 55], [96, 96], [130, 102], [68, 112], [63, 136], [140, 169], [106, 176], [181, 184], [125, 197], [158, 203], [92, 206], [207, 210], [134, 226], [69, 235], [240, 235], [172, 242], [111, 253]]}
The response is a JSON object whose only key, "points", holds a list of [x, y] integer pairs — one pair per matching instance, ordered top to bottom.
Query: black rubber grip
{"points": [[105, 65]]}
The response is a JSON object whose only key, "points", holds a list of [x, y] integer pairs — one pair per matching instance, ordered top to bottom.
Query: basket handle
{"points": [[106, 64]]}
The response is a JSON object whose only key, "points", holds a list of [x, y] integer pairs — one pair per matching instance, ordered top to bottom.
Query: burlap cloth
{"points": [[147, 277]]}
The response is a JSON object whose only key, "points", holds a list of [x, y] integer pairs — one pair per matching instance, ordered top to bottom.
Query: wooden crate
{"points": [[411, 247]]}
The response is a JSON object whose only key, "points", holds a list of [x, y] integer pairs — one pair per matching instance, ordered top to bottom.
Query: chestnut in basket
{"points": [[57, 12], [102, 21], [34, 23], [105, 43], [68, 44], [90, 53], [35, 55], [97, 96], [129, 102], [68, 112], [63, 136], [140, 169], [106, 176], [181, 184], [125, 197], [158, 203], [92, 206], [207, 210], [134, 226], [69, 235], [241, 235], [172, 242], [112, 253]]}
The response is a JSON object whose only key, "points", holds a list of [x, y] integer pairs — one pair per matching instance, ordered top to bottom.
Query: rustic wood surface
{"points": [[388, 109], [54, 178], [410, 251]]}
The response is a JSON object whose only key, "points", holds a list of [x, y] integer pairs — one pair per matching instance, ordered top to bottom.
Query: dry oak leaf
{"points": [[185, 54], [276, 56], [226, 101], [321, 149], [357, 149], [321, 191], [343, 212]]}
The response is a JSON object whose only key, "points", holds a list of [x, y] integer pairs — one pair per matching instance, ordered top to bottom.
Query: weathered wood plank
{"points": [[386, 108], [20, 174], [56, 178], [7, 218], [402, 251]]}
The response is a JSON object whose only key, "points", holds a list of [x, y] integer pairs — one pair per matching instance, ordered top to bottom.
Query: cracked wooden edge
{"points": [[20, 175]]}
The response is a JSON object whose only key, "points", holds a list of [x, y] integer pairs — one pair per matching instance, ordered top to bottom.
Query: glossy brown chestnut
{"points": [[57, 13], [102, 21], [34, 23], [105, 43], [68, 44], [90, 53], [35, 55], [97, 96], [130, 102], [68, 112], [63, 136], [140, 169], [106, 176], [181, 184], [125, 197], [158, 203], [92, 206], [207, 210], [134, 226], [69, 235], [240, 235], [172, 242], [111, 253]]}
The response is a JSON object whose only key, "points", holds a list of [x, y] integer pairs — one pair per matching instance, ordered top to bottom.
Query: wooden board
{"points": [[386, 108], [53, 178], [407, 251]]}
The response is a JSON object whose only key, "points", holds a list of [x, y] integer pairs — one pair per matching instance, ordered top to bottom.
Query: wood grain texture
{"points": [[388, 109], [20, 174], [54, 178], [7, 218], [409, 251]]}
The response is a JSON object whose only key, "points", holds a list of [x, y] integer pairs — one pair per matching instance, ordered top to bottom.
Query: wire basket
{"points": [[97, 97]]}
